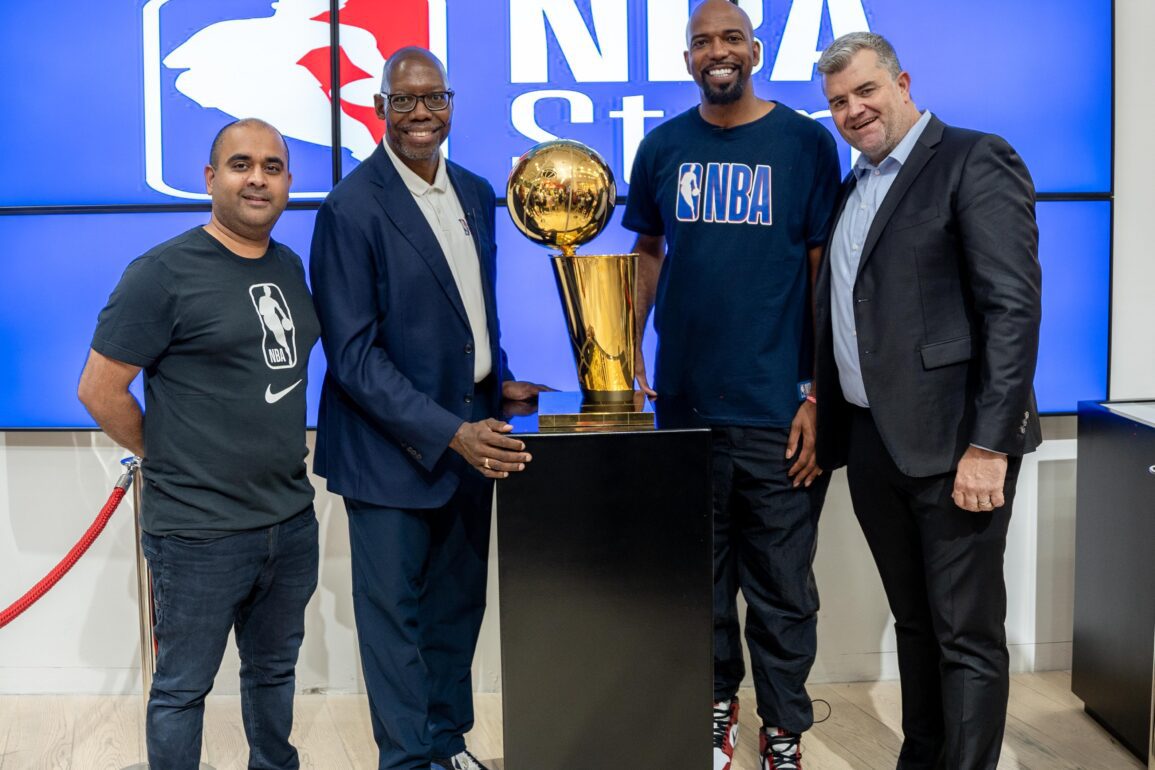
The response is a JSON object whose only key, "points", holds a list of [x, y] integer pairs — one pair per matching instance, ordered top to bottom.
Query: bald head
{"points": [[721, 10], [721, 54], [402, 58], [416, 104], [215, 148]]}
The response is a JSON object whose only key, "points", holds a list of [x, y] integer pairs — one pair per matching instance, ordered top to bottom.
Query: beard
{"points": [[723, 96], [421, 152], [414, 153]]}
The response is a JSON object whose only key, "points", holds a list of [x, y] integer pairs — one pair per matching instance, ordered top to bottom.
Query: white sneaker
{"points": [[725, 732], [462, 761]]}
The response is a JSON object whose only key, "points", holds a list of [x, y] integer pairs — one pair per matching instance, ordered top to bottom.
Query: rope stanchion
{"points": [[78, 550]]}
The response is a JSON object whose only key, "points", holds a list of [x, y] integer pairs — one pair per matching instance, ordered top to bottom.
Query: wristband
{"points": [[806, 390]]}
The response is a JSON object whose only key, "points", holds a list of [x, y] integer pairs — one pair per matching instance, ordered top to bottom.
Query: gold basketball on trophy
{"points": [[561, 194]]}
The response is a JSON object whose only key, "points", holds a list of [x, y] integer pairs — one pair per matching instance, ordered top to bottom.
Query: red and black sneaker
{"points": [[725, 732], [779, 749]]}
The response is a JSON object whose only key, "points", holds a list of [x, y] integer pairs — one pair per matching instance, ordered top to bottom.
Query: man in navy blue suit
{"points": [[403, 262]]}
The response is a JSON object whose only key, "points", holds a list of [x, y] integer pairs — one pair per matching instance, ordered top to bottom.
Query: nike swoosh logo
{"points": [[272, 398]]}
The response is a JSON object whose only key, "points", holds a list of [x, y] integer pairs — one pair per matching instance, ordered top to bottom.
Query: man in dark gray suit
{"points": [[928, 323]]}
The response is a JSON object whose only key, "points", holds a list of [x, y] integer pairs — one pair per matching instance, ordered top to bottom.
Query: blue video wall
{"points": [[113, 106]]}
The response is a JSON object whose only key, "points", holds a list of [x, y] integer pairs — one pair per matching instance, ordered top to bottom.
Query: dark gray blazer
{"points": [[947, 308]]}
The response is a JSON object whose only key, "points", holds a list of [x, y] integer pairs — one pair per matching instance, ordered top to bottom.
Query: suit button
{"points": [[468, 348], [468, 399], [412, 451]]}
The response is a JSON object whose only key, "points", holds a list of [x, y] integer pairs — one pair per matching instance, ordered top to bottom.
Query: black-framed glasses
{"points": [[434, 102]]}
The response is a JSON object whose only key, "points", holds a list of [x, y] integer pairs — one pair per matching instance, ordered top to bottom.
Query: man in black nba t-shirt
{"points": [[220, 321]]}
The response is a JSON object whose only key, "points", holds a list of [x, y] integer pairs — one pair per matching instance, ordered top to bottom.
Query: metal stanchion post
{"points": [[143, 597], [145, 611]]}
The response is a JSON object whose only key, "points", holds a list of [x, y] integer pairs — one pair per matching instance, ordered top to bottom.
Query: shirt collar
{"points": [[900, 153], [418, 186]]}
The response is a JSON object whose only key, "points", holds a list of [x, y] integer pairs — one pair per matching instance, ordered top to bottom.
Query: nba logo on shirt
{"points": [[208, 62], [689, 191], [727, 193], [278, 332]]}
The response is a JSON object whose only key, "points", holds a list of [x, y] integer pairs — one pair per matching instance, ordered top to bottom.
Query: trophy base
{"points": [[573, 412]]}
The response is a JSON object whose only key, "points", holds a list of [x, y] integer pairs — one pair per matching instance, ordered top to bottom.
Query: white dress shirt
{"points": [[872, 185], [442, 210]]}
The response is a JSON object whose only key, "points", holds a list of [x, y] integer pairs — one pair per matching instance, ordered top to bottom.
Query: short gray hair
{"points": [[838, 54]]}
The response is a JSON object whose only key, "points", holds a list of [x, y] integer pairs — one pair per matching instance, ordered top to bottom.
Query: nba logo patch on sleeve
{"points": [[689, 191]]}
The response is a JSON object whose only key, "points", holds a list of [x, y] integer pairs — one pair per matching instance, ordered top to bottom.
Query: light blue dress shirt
{"points": [[873, 183]]}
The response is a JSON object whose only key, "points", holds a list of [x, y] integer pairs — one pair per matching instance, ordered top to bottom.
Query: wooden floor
{"points": [[1046, 730]]}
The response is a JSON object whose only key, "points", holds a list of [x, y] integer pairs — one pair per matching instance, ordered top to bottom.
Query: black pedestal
{"points": [[605, 568], [1114, 634]]}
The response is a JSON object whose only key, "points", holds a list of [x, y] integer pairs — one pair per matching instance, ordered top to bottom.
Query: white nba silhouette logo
{"points": [[276, 68], [689, 191], [278, 333]]}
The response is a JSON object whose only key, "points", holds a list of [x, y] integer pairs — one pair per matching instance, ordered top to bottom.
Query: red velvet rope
{"points": [[61, 569]]}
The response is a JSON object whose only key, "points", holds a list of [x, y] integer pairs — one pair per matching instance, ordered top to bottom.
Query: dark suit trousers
{"points": [[942, 569], [418, 598]]}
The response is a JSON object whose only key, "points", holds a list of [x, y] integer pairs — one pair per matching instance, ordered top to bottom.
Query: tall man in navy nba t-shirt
{"points": [[730, 201]]}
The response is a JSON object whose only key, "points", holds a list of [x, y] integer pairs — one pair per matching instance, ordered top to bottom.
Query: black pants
{"points": [[765, 534], [942, 568]]}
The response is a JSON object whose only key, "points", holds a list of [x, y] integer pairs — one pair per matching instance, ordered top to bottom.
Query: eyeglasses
{"points": [[434, 102]]}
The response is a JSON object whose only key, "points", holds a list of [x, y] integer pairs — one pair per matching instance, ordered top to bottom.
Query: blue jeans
{"points": [[257, 582]]}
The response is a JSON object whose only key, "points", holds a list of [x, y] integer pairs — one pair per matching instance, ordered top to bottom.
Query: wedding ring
{"points": [[487, 464]]}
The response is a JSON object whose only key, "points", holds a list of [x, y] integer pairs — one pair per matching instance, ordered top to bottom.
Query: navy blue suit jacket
{"points": [[947, 305], [397, 340]]}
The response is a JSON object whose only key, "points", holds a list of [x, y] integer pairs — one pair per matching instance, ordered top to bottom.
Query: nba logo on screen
{"points": [[208, 62]]}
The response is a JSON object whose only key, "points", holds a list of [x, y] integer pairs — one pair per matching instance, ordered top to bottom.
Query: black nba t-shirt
{"points": [[224, 342]]}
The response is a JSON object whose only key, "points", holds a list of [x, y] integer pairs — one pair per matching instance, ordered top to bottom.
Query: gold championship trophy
{"points": [[561, 194]]}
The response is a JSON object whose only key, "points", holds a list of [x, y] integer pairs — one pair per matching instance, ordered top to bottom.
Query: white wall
{"points": [[1133, 279], [82, 637]]}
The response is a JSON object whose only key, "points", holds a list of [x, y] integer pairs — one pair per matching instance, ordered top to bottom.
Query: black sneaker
{"points": [[725, 732], [779, 749], [461, 761]]}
